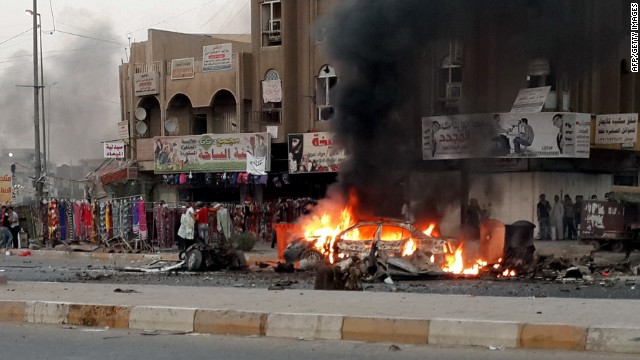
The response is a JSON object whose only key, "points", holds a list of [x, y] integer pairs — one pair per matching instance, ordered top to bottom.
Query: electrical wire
{"points": [[53, 19], [13, 37], [90, 37]]}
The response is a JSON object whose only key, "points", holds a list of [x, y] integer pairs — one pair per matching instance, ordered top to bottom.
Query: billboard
{"points": [[216, 57], [182, 68], [146, 83], [616, 129], [504, 135], [209, 152], [314, 152], [5, 189]]}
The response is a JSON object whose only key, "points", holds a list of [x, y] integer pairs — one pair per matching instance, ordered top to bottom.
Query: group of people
{"points": [[563, 216], [194, 224], [9, 228]]}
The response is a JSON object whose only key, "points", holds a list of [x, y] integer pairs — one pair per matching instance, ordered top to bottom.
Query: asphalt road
{"points": [[105, 271], [31, 342]]}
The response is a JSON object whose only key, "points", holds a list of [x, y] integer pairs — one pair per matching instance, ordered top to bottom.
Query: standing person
{"points": [[558, 122], [525, 136], [577, 213], [557, 217], [473, 218], [202, 219], [544, 219], [14, 227], [186, 230], [570, 230], [6, 238]]}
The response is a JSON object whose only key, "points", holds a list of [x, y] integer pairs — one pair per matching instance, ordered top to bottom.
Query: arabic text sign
{"points": [[216, 57], [182, 68], [145, 83], [271, 91], [530, 100], [616, 129], [123, 130], [545, 135], [114, 150], [209, 152], [314, 152], [256, 165], [5, 189]]}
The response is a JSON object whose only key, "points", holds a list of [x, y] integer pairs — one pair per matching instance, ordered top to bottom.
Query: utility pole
{"points": [[36, 99], [44, 127]]}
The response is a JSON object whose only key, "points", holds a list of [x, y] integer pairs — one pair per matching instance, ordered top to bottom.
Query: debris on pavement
{"points": [[126, 291]]}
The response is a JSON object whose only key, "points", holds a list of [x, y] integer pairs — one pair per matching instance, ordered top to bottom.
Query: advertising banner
{"points": [[216, 57], [182, 68], [145, 83], [530, 100], [616, 129], [123, 130], [504, 135], [114, 150], [209, 152], [314, 152], [256, 165], [5, 189]]}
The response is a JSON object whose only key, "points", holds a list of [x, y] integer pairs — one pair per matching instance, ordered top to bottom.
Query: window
{"points": [[271, 12], [541, 74], [450, 79], [325, 83], [271, 97]]}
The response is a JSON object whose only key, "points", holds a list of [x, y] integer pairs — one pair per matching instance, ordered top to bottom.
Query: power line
{"points": [[216, 14], [173, 17], [230, 17], [53, 19], [13, 37], [90, 37]]}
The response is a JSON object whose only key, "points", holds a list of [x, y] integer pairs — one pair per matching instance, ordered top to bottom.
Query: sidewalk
{"points": [[547, 323]]}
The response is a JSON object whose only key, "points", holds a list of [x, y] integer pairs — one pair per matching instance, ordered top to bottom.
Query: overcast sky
{"points": [[84, 41]]}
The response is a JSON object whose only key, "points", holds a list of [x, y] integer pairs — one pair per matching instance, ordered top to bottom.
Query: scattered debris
{"points": [[126, 291], [393, 347], [500, 348]]}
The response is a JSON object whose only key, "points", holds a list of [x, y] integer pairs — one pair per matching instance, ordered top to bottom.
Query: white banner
{"points": [[216, 57], [182, 68], [145, 83], [271, 91], [530, 100], [616, 129], [123, 130], [533, 135], [114, 150], [256, 165]]}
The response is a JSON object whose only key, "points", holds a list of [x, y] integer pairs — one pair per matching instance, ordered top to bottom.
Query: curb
{"points": [[251, 257], [329, 327]]}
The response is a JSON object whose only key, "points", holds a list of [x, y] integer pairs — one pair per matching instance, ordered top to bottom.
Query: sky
{"points": [[84, 42]]}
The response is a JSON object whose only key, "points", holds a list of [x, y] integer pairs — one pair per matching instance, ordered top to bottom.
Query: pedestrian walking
{"points": [[543, 211], [14, 226], [186, 230]]}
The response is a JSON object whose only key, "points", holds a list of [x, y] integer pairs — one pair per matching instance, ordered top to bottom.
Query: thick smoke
{"points": [[381, 50], [83, 107]]}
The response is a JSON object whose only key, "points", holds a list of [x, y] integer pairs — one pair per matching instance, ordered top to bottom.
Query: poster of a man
{"points": [[557, 122], [525, 136], [295, 151]]}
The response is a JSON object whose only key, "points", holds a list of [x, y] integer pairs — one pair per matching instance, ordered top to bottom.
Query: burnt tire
{"points": [[595, 244], [618, 246], [312, 256], [193, 260], [238, 261]]}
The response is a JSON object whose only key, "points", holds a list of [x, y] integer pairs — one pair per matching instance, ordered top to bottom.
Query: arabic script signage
{"points": [[216, 57], [182, 68], [145, 83], [530, 100], [616, 129], [505, 135], [114, 150], [209, 152], [314, 152], [5, 189]]}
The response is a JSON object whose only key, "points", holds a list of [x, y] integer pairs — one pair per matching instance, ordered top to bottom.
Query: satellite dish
{"points": [[141, 113], [171, 125], [141, 128]]}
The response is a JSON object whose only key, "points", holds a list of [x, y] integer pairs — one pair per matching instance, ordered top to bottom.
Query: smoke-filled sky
{"points": [[84, 41]]}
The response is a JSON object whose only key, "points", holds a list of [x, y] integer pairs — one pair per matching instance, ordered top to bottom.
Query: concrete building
{"points": [[480, 71]]}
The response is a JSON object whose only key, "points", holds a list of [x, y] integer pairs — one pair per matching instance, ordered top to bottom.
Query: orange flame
{"points": [[324, 229], [429, 229], [409, 248], [455, 264]]}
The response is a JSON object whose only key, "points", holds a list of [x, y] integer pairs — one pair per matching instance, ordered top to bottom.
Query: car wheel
{"points": [[617, 246], [312, 256], [194, 260]]}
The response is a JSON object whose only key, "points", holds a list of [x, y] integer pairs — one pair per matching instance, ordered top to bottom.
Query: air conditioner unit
{"points": [[274, 25], [325, 113]]}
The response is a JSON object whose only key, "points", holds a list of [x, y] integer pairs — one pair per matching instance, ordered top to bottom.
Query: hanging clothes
{"points": [[115, 210], [135, 217], [159, 217], [77, 218], [53, 219], [142, 219], [63, 220], [108, 220], [70, 221], [86, 221], [224, 223]]}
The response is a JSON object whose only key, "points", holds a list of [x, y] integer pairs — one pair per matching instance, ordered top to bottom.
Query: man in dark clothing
{"points": [[544, 219], [569, 228]]}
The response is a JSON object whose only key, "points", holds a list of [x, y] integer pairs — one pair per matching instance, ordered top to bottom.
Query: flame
{"points": [[323, 229], [429, 229], [409, 248], [455, 264], [508, 272]]}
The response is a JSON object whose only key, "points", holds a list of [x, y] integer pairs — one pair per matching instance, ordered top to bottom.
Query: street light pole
{"points": [[36, 99], [44, 127]]}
